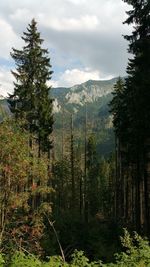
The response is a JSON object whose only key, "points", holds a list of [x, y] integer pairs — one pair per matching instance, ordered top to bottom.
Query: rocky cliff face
{"points": [[82, 94]]}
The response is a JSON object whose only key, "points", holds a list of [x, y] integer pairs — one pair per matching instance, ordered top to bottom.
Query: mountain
{"points": [[81, 94], [89, 99]]}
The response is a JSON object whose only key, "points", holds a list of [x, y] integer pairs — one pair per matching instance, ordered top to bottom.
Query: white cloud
{"points": [[77, 2], [22, 14], [86, 22], [78, 33], [8, 38], [78, 76], [66, 79], [6, 81], [53, 83]]}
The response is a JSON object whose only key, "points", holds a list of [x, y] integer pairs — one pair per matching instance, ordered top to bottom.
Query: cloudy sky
{"points": [[84, 38]]}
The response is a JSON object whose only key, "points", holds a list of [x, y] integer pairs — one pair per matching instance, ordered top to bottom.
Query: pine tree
{"points": [[137, 87], [31, 100], [117, 107], [120, 118], [132, 120], [72, 161], [92, 177]]}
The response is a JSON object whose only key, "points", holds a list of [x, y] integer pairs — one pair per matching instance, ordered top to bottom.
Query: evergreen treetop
{"points": [[31, 100]]}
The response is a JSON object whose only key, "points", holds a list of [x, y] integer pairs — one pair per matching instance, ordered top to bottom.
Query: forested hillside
{"points": [[90, 99]]}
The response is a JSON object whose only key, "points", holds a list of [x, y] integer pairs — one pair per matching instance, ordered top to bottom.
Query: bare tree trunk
{"points": [[62, 148], [72, 165], [85, 170], [116, 178], [147, 184]]}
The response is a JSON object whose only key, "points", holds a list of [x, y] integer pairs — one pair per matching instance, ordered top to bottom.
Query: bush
{"points": [[137, 251], [137, 254], [19, 259], [1, 260]]}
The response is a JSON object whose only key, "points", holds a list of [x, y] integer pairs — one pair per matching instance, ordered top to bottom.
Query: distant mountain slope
{"points": [[87, 92], [91, 97]]}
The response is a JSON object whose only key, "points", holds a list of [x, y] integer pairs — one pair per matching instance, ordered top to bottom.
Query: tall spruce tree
{"points": [[138, 99], [31, 100], [117, 106], [118, 109], [132, 120], [92, 177]]}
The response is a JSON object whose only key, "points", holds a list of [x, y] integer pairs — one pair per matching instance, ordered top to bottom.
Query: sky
{"points": [[83, 37]]}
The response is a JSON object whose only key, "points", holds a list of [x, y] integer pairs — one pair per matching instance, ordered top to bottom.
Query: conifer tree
{"points": [[138, 98], [31, 100], [117, 106], [119, 110], [132, 120], [72, 163], [92, 177]]}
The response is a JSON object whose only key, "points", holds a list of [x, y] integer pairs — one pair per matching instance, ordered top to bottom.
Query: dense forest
{"points": [[58, 201]]}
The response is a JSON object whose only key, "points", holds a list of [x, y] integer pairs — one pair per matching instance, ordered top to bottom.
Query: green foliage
{"points": [[118, 107], [131, 112], [24, 188], [93, 239], [137, 251], [136, 254], [19, 259], [79, 259], [2, 261], [55, 261]]}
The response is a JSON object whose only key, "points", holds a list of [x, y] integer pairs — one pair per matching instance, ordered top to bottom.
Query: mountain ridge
{"points": [[81, 94], [91, 97]]}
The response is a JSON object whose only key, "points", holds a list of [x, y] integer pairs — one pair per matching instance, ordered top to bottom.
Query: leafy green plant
{"points": [[24, 190], [137, 251], [137, 254], [19, 259], [79, 259], [2, 261], [55, 261]]}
